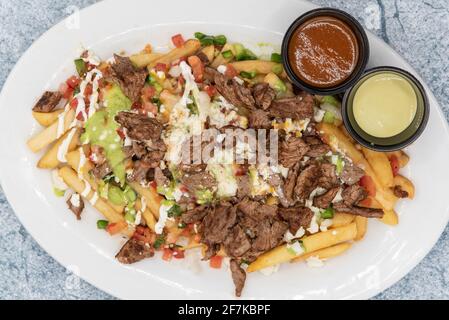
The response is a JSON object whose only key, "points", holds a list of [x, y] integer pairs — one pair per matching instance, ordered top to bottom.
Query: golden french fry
{"points": [[190, 47], [209, 52], [141, 60], [220, 60], [258, 66], [47, 118], [50, 134], [338, 141], [402, 157], [50, 159], [381, 166], [73, 181], [405, 185], [151, 196], [147, 215], [390, 217], [341, 219], [362, 225], [311, 243], [326, 253]]}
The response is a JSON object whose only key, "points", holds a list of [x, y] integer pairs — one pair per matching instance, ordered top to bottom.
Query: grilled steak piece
{"points": [[131, 80], [263, 95], [48, 102], [296, 108], [258, 119], [140, 127], [317, 147], [292, 151], [102, 170], [351, 174], [328, 177], [160, 178], [198, 181], [307, 182], [290, 183], [244, 186], [398, 192], [352, 195], [325, 200], [76, 205], [257, 211], [359, 211], [196, 214], [296, 217], [217, 224], [269, 234], [237, 243], [134, 251], [238, 276]]}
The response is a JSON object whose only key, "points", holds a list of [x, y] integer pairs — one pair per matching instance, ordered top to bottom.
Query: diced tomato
{"points": [[178, 40], [161, 67], [197, 68], [230, 71], [73, 82], [88, 90], [210, 90], [65, 91], [148, 92], [74, 103], [136, 105], [80, 116], [121, 133], [394, 162], [240, 170], [368, 183], [153, 184], [183, 188], [367, 202], [116, 227], [187, 230], [143, 234], [197, 238], [178, 253], [167, 255], [215, 262]]}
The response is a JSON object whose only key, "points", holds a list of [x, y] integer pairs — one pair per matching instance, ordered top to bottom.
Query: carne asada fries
{"points": [[207, 146]]}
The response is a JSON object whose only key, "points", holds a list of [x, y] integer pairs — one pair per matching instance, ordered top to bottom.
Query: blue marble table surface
{"points": [[417, 29]]}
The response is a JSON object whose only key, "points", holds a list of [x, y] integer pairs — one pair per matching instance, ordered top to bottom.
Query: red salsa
{"points": [[323, 52]]}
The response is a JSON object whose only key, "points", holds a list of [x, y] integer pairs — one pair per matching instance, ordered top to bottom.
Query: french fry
{"points": [[190, 47], [209, 52], [141, 60], [220, 60], [258, 66], [47, 118], [50, 134], [339, 142], [402, 157], [50, 159], [73, 159], [381, 166], [73, 181], [405, 185], [151, 196], [147, 215], [390, 217], [341, 219], [362, 225], [311, 243], [326, 253]]}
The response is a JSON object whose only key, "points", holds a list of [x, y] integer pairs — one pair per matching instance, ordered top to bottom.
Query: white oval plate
{"points": [[372, 265]]}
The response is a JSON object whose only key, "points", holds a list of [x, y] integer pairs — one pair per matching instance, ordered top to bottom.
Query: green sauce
{"points": [[101, 130]]}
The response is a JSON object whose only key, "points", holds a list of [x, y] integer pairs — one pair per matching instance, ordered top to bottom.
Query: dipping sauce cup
{"points": [[325, 51], [386, 110]]}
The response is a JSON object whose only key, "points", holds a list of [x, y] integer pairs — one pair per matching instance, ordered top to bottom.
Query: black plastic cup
{"points": [[362, 41], [401, 140]]}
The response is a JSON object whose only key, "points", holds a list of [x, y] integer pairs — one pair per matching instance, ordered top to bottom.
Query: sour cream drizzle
{"points": [[64, 147]]}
